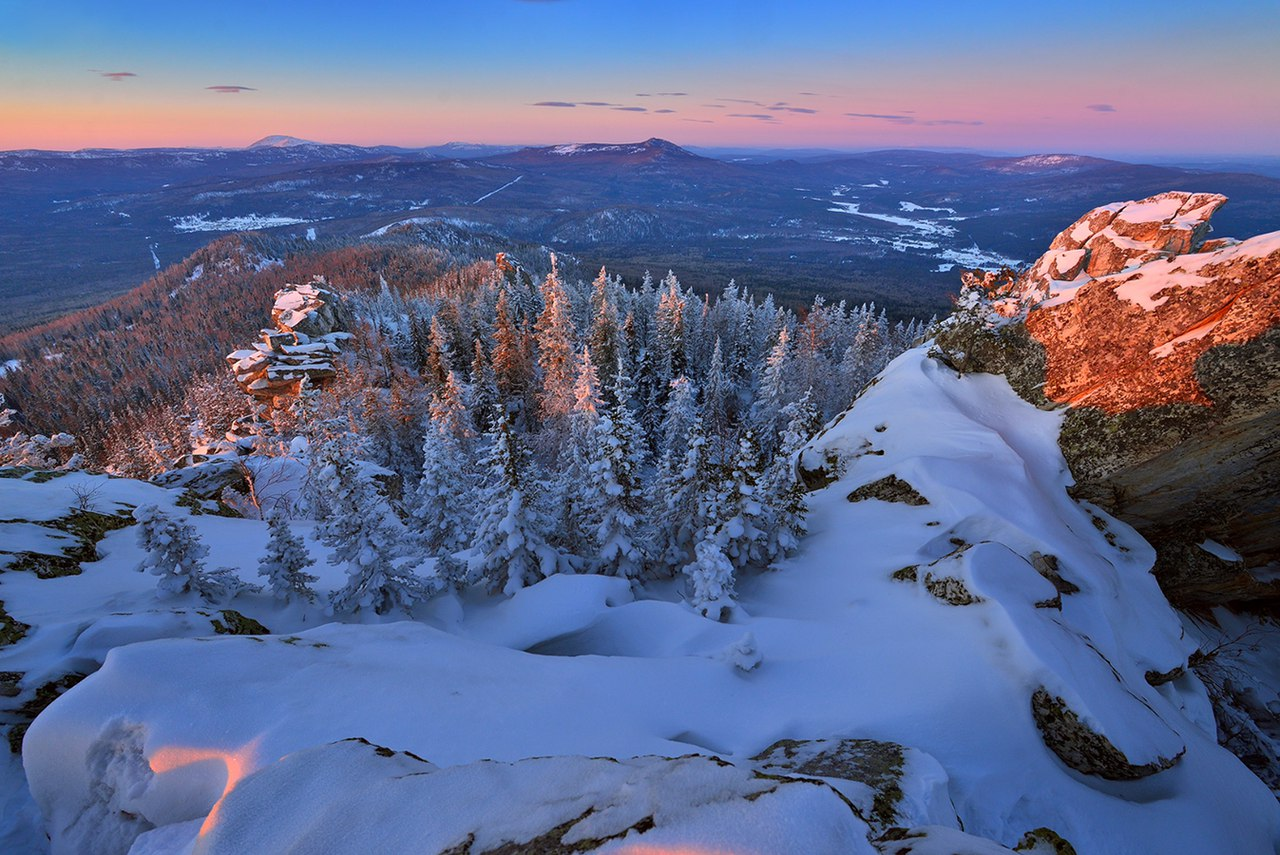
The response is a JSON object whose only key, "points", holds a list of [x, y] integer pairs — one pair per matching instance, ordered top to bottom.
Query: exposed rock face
{"points": [[309, 323], [1165, 347]]}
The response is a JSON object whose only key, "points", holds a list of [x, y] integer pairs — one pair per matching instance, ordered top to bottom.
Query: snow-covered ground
{"points": [[244, 223], [927, 625]]}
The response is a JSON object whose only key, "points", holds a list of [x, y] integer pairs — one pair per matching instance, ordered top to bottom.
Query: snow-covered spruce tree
{"points": [[604, 331], [556, 340], [771, 396], [715, 398], [616, 457], [683, 482], [784, 494], [444, 503], [576, 507], [735, 512], [367, 538], [510, 549], [175, 553], [286, 561], [710, 577]]}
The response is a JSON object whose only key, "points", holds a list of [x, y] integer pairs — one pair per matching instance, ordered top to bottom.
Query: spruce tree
{"points": [[556, 345], [615, 462], [685, 482], [784, 494], [444, 502], [737, 512], [367, 538], [510, 549], [175, 553], [285, 562], [711, 579]]}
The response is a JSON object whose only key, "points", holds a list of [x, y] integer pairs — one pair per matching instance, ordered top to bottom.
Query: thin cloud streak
{"points": [[230, 90]]}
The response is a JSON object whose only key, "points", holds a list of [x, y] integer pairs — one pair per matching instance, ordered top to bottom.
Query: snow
{"points": [[585, 148], [499, 190], [909, 207], [1153, 210], [242, 223], [927, 227], [311, 233], [1144, 285], [9, 365], [1219, 551], [829, 646]]}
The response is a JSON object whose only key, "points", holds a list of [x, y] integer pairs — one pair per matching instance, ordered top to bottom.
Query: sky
{"points": [[1091, 77]]}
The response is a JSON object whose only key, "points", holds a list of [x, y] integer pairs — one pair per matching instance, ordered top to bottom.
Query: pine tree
{"points": [[367, 538], [510, 549], [285, 562]]}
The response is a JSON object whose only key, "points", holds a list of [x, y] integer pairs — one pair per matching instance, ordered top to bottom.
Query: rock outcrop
{"points": [[309, 322], [1164, 346]]}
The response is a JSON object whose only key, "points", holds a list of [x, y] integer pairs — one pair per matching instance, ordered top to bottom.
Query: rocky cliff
{"points": [[1163, 346]]}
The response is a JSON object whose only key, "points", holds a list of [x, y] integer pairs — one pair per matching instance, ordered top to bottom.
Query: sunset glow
{"points": [[1008, 76], [238, 764]]}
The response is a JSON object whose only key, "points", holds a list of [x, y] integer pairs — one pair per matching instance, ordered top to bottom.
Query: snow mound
{"points": [[354, 791]]}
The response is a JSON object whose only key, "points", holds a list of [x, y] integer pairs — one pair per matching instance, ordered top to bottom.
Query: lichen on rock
{"points": [[1083, 748]]}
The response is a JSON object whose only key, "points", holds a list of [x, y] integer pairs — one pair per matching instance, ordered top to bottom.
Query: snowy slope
{"points": [[831, 646]]}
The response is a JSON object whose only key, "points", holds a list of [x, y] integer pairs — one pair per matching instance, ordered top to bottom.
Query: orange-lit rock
{"points": [[309, 322], [1130, 339], [1165, 347]]}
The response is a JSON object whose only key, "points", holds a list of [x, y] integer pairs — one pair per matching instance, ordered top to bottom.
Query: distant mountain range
{"points": [[889, 226]]}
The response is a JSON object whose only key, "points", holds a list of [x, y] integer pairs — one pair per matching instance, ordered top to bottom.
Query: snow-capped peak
{"points": [[281, 141]]}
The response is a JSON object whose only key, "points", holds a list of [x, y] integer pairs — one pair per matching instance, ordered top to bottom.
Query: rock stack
{"points": [[309, 322]]}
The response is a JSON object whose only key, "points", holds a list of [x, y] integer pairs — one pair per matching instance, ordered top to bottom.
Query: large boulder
{"points": [[1164, 348]]}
